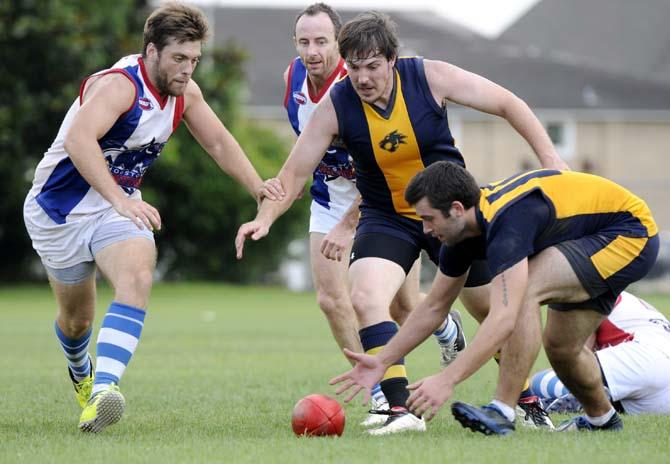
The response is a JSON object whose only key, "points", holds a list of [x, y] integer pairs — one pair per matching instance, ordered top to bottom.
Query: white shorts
{"points": [[342, 193], [62, 246], [638, 375]]}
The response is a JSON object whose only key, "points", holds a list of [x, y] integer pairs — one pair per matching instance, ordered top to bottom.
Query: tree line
{"points": [[47, 47]]}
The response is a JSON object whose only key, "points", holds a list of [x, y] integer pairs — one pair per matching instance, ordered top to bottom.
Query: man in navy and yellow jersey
{"points": [[308, 79], [391, 115], [571, 240]]}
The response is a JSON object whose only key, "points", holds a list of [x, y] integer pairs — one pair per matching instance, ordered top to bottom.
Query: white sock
{"points": [[448, 333], [507, 411], [601, 420]]}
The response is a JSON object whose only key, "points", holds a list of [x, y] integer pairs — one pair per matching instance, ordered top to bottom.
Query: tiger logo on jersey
{"points": [[392, 141]]}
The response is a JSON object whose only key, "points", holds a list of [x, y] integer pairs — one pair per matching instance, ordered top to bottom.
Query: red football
{"points": [[318, 415]]}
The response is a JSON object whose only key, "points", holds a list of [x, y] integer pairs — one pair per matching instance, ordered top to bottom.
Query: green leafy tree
{"points": [[47, 47], [201, 208]]}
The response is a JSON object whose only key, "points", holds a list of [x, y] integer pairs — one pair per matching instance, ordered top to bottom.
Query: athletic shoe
{"points": [[449, 351], [82, 388], [565, 404], [104, 409], [378, 414], [531, 414], [488, 419], [399, 420], [581, 424]]}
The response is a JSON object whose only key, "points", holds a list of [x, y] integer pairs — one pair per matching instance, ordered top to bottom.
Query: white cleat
{"points": [[379, 412], [531, 414], [400, 421]]}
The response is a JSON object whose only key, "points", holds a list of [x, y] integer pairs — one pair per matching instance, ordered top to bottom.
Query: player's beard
{"points": [[162, 82]]}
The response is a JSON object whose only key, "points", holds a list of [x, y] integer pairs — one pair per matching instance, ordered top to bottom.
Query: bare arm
{"points": [[469, 89], [105, 99], [215, 139], [301, 162], [507, 292], [425, 319], [419, 325]]}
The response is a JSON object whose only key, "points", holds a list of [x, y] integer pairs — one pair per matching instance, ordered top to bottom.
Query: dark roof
{"points": [[267, 36], [619, 36], [540, 79]]}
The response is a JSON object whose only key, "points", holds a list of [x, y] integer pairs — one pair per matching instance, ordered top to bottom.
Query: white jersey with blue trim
{"points": [[131, 145], [333, 185]]}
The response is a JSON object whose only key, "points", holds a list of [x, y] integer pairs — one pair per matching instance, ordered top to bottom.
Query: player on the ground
{"points": [[391, 114], [85, 207], [543, 243], [632, 347]]}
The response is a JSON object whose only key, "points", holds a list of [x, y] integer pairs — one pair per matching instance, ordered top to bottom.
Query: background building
{"points": [[596, 73]]}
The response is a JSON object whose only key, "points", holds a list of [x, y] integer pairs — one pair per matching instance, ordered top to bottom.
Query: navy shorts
{"points": [[400, 239], [605, 264]]}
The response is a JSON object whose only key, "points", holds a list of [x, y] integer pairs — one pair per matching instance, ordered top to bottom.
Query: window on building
{"points": [[555, 131], [563, 134]]}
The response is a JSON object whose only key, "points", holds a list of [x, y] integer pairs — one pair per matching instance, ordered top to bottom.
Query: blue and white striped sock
{"points": [[447, 334], [117, 340], [76, 353], [546, 385], [378, 395]]}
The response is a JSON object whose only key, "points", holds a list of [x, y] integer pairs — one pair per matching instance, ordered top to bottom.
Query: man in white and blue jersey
{"points": [[308, 78], [85, 207]]}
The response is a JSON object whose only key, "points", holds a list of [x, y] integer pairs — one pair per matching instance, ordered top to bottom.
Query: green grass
{"points": [[216, 376]]}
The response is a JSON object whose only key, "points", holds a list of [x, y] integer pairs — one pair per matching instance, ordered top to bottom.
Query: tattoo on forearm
{"points": [[504, 288]]}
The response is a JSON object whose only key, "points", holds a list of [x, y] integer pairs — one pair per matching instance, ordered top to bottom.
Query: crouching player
{"points": [[570, 240]]}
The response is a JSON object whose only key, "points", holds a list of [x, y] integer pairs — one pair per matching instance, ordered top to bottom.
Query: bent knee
{"points": [[134, 289], [74, 327], [558, 351]]}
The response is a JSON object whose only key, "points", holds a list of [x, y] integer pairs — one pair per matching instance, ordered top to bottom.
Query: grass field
{"points": [[216, 376]]}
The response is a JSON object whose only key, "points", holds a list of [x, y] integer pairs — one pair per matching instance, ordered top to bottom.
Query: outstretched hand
{"points": [[254, 230], [367, 372], [428, 395]]}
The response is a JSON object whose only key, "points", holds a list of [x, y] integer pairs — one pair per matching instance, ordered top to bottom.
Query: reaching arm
{"points": [[469, 89], [105, 99], [218, 142], [303, 159], [507, 293], [425, 319], [418, 326]]}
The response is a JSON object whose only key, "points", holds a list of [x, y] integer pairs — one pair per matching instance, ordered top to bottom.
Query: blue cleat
{"points": [[488, 419], [581, 424]]}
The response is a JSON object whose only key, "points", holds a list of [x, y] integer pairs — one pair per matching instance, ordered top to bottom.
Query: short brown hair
{"points": [[316, 8], [174, 20], [369, 33], [442, 183]]}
